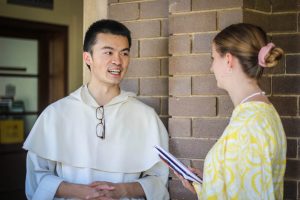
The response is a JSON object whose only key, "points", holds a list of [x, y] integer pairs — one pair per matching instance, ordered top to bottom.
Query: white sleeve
{"points": [[41, 181], [154, 182]]}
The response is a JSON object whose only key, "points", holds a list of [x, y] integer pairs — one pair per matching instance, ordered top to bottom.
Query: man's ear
{"points": [[87, 58]]}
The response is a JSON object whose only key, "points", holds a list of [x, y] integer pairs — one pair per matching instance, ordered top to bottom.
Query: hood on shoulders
{"points": [[83, 94]]}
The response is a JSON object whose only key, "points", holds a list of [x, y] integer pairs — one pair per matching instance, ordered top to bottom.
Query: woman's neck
{"points": [[244, 91]]}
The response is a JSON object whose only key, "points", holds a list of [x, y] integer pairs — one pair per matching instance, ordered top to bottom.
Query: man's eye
{"points": [[108, 53], [125, 53]]}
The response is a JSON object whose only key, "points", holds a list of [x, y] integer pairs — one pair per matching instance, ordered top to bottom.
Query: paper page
{"points": [[176, 165]]}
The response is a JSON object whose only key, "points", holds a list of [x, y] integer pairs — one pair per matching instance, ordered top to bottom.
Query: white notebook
{"points": [[176, 165]]}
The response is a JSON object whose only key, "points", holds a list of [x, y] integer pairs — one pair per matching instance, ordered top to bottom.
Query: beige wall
{"points": [[92, 10], [66, 12]]}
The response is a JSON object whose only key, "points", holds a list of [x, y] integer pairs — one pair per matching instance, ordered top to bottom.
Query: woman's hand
{"points": [[196, 171], [187, 184]]}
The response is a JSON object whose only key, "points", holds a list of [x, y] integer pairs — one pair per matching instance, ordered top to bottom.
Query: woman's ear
{"points": [[87, 58], [228, 58], [229, 61]]}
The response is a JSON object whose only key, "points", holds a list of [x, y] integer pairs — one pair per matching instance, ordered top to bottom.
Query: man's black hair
{"points": [[104, 26]]}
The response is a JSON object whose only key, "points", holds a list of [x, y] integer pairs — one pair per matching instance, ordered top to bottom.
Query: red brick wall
{"points": [[281, 20], [285, 31], [170, 65], [148, 71], [199, 110]]}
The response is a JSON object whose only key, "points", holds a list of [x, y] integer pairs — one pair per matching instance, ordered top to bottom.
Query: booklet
{"points": [[176, 165]]}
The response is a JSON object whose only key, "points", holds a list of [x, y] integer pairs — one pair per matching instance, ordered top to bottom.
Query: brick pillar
{"points": [[281, 20], [284, 31], [148, 71], [184, 90], [199, 110]]}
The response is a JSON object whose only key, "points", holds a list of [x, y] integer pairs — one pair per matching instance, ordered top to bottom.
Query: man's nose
{"points": [[116, 59]]}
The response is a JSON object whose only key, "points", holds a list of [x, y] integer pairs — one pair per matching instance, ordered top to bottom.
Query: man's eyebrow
{"points": [[107, 47], [111, 48], [125, 49]]}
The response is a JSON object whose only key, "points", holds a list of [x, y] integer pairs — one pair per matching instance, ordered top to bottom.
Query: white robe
{"points": [[63, 146]]}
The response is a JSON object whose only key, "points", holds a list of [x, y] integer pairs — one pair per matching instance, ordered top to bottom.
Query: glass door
{"points": [[18, 88]]}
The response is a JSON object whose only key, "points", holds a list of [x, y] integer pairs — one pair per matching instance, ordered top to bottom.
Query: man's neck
{"points": [[103, 94]]}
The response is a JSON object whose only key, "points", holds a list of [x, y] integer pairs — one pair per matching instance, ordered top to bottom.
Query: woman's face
{"points": [[218, 67]]}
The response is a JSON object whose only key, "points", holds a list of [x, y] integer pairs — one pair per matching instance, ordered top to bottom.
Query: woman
{"points": [[248, 161]]}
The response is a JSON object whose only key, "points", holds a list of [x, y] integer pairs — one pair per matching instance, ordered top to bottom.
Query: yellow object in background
{"points": [[11, 131]]}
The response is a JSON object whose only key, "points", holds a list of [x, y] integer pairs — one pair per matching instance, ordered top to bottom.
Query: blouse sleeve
{"points": [[41, 181]]}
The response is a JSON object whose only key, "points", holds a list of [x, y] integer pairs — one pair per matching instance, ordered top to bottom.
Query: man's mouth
{"points": [[115, 71]]}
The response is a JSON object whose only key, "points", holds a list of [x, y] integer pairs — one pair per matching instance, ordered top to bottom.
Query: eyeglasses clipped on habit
{"points": [[100, 127]]}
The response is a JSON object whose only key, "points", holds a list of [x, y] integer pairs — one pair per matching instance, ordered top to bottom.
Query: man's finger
{"points": [[104, 187]]}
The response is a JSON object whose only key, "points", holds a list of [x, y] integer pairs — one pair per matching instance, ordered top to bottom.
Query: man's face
{"points": [[109, 59]]}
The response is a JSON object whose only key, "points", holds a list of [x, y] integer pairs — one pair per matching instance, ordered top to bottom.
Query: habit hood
{"points": [[66, 132]]}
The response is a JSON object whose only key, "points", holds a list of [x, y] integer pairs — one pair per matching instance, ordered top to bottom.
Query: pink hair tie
{"points": [[263, 52]]}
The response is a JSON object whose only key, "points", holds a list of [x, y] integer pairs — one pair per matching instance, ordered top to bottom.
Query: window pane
{"points": [[19, 53], [26, 91], [29, 122]]}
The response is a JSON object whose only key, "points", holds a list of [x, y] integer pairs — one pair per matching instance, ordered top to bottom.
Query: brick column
{"points": [[281, 20], [284, 30], [148, 72], [184, 90], [199, 110]]}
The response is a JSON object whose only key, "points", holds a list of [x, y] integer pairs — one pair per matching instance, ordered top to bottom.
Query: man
{"points": [[97, 143]]}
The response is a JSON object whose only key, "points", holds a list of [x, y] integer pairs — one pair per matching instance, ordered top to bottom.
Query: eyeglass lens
{"points": [[100, 128]]}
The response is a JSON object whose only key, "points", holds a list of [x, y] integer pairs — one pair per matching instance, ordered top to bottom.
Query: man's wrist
{"points": [[70, 190], [124, 190], [131, 190]]}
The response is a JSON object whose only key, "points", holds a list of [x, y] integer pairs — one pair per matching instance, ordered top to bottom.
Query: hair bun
{"points": [[273, 57]]}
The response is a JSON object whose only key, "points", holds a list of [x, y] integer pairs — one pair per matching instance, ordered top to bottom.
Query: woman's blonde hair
{"points": [[244, 41]]}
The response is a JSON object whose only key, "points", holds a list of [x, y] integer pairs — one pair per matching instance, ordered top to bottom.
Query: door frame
{"points": [[52, 55], [52, 85]]}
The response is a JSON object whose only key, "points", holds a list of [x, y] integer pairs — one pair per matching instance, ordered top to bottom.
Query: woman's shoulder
{"points": [[254, 110], [256, 120]]}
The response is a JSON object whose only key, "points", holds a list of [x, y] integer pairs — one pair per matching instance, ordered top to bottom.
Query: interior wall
{"points": [[68, 13]]}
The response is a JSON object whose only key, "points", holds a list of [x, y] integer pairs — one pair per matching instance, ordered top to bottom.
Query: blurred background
{"points": [[40, 62]]}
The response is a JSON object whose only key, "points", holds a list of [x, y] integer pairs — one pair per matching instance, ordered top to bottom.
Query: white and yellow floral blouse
{"points": [[248, 161]]}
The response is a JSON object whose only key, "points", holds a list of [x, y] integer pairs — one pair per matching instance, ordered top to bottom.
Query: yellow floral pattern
{"points": [[248, 161]]}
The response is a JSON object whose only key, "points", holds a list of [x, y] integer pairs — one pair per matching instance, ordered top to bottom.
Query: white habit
{"points": [[63, 146]]}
